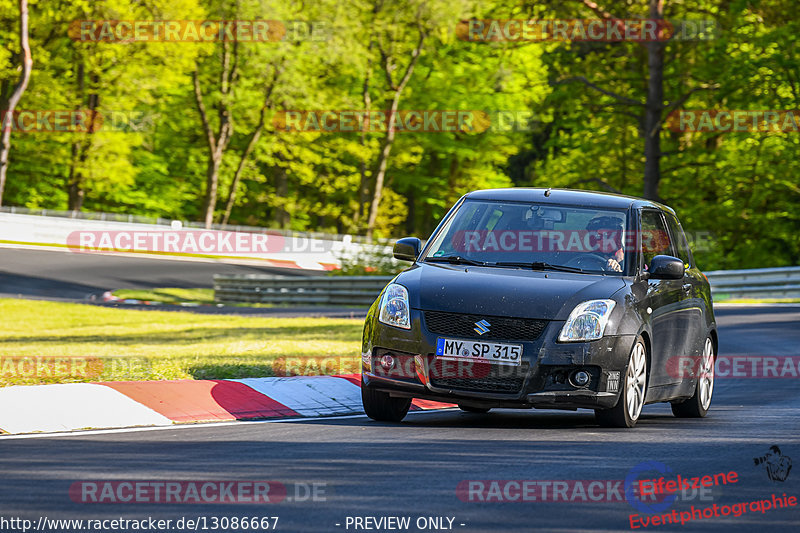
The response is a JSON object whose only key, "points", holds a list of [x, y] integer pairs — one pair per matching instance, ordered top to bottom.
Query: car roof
{"points": [[565, 197]]}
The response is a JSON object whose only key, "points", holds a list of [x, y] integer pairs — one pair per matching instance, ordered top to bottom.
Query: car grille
{"points": [[500, 328], [481, 378]]}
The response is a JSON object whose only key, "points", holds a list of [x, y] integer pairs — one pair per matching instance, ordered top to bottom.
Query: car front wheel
{"points": [[631, 398], [697, 406], [381, 407]]}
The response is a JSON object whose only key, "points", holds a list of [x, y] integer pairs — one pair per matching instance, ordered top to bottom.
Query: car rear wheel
{"points": [[631, 398], [697, 406], [381, 407], [470, 409]]}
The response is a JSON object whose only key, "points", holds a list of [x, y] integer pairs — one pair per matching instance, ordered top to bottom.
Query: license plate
{"points": [[485, 352]]}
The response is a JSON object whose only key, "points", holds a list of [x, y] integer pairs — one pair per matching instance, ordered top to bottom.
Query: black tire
{"points": [[697, 406], [382, 407], [478, 410], [620, 416]]}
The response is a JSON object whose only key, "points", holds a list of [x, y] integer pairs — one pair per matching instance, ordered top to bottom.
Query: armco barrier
{"points": [[755, 283], [330, 290], [362, 290]]}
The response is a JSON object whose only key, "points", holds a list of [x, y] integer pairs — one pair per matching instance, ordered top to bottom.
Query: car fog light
{"points": [[387, 362], [581, 378]]}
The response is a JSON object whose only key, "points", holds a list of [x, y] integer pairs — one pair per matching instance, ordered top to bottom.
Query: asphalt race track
{"points": [[74, 276], [413, 469]]}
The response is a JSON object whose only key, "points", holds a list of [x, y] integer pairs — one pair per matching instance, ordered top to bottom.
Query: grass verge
{"points": [[758, 301], [51, 342]]}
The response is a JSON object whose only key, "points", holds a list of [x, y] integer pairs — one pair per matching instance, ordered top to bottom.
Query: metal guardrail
{"points": [[756, 283], [327, 290], [362, 290]]}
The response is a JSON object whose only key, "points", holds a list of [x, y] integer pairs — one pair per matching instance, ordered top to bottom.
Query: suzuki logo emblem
{"points": [[481, 327]]}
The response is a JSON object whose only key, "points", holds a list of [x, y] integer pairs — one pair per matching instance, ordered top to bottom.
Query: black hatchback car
{"points": [[544, 298]]}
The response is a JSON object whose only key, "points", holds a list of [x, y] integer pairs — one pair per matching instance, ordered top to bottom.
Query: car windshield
{"points": [[538, 236]]}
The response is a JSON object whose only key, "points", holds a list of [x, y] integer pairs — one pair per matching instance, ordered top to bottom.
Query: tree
{"points": [[396, 86], [7, 106], [217, 142]]}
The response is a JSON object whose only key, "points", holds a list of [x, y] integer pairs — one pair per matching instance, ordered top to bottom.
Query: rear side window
{"points": [[655, 238], [679, 240]]}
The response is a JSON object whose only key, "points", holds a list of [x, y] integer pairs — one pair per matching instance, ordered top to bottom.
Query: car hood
{"points": [[496, 291]]}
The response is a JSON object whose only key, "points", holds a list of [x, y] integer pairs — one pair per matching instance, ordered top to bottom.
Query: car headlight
{"points": [[394, 307], [587, 322]]}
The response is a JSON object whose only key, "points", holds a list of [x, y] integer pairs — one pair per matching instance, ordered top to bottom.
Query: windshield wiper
{"points": [[455, 260], [539, 265]]}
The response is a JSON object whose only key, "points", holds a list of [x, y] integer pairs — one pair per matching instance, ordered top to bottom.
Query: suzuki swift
{"points": [[544, 298]]}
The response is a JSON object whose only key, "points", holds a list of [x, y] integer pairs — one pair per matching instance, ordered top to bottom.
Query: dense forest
{"points": [[199, 129]]}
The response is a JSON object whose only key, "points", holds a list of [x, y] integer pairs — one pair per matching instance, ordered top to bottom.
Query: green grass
{"points": [[757, 301], [121, 344]]}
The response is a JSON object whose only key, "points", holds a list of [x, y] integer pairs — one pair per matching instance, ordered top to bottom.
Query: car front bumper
{"points": [[541, 381]]}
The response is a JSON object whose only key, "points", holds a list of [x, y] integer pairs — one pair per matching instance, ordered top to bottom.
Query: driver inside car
{"points": [[609, 240]]}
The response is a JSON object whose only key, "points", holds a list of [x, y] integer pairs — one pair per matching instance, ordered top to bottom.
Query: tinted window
{"points": [[591, 239], [655, 239], [678, 239]]}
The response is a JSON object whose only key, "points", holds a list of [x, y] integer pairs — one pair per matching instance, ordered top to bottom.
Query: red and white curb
{"points": [[76, 406]]}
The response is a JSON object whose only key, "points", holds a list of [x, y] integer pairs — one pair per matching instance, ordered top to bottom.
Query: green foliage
{"points": [[369, 261], [125, 344]]}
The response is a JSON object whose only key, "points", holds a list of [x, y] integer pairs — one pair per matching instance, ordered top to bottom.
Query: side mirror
{"points": [[407, 249], [666, 267]]}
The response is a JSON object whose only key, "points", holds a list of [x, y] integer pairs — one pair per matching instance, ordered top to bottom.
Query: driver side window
{"points": [[654, 237]]}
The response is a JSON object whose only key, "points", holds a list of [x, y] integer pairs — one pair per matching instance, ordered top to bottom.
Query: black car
{"points": [[544, 298]]}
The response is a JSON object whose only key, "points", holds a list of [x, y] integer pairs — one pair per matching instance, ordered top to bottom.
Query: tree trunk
{"points": [[27, 65], [653, 108], [390, 133], [219, 142], [251, 144], [80, 149], [383, 162], [238, 175], [212, 181], [363, 186], [281, 191], [74, 193], [411, 215]]}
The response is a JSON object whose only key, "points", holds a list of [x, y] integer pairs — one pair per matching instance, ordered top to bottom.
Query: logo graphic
{"points": [[481, 327], [778, 466], [631, 485]]}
